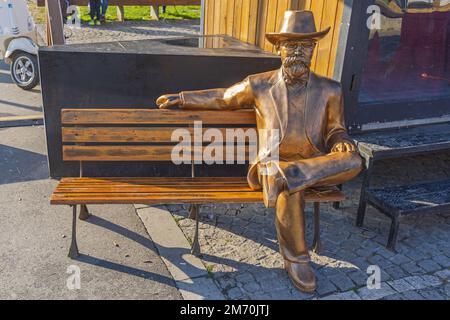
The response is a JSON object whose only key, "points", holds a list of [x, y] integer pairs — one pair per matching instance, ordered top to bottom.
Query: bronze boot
{"points": [[291, 231], [302, 275]]}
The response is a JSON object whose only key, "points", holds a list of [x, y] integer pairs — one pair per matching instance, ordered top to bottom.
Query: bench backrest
{"points": [[144, 134]]}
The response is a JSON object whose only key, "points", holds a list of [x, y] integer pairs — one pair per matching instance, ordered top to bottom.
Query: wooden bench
{"points": [[111, 135]]}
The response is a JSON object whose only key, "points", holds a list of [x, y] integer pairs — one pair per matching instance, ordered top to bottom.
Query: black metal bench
{"points": [[394, 144], [396, 202]]}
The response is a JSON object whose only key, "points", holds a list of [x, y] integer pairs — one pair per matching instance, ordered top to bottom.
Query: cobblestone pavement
{"points": [[129, 30], [239, 241], [240, 247]]}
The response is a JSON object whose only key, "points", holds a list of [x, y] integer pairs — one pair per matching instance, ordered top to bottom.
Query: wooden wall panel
{"points": [[250, 20]]}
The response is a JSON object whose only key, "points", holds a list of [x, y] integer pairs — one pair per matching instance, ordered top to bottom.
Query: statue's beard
{"points": [[295, 68]]}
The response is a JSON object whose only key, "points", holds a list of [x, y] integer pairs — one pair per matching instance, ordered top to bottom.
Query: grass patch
{"points": [[38, 13], [132, 13], [140, 13], [210, 270]]}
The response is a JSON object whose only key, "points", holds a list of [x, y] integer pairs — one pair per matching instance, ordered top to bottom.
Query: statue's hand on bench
{"points": [[169, 101], [344, 146]]}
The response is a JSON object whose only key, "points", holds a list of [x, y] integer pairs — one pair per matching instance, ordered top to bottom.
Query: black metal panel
{"points": [[355, 55], [133, 74]]}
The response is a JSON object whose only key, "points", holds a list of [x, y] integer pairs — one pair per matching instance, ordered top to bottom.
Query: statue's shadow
{"points": [[331, 260]]}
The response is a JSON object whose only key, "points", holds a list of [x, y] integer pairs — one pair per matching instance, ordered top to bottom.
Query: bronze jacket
{"points": [[267, 93]]}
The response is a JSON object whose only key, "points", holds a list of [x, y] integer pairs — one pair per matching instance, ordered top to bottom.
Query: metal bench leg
{"points": [[363, 198], [337, 204], [193, 211], [84, 212], [393, 233], [317, 243], [195, 250], [73, 251]]}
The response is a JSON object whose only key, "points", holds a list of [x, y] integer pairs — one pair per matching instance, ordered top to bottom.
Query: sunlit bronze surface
{"points": [[314, 148]]}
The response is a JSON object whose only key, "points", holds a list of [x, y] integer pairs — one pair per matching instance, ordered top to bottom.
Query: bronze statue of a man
{"points": [[307, 112]]}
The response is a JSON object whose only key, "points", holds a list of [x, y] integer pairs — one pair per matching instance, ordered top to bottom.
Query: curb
{"points": [[21, 121], [189, 272]]}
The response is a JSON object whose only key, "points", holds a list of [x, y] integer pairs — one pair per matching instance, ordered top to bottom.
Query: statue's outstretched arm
{"points": [[239, 96]]}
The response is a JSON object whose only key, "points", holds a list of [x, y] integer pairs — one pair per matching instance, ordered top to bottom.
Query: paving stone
{"points": [[363, 252], [385, 253], [416, 255], [399, 259], [443, 260], [379, 261], [429, 265], [412, 268], [396, 272], [443, 274], [245, 278], [359, 278], [341, 281], [432, 281], [226, 282], [417, 282], [273, 284], [401, 285], [252, 287], [325, 287], [446, 290], [234, 293], [284, 294], [375, 294], [432, 294], [298, 295], [349, 295], [412, 295], [397, 296]]}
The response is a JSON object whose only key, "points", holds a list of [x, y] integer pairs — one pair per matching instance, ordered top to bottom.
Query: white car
{"points": [[18, 38]]}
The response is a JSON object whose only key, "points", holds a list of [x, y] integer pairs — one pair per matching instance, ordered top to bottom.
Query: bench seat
{"points": [[169, 190], [430, 197]]}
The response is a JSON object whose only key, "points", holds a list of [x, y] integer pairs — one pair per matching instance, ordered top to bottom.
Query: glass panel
{"points": [[409, 56]]}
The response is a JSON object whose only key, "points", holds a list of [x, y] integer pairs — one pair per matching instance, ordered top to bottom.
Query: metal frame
{"points": [[351, 57], [370, 158]]}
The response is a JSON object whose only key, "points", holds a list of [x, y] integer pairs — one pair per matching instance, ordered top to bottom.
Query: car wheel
{"points": [[24, 70]]}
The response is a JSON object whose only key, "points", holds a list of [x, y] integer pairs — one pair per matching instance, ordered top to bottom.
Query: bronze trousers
{"points": [[290, 208]]}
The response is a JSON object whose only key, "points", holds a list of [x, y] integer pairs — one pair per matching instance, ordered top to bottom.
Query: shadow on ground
{"points": [[20, 165]]}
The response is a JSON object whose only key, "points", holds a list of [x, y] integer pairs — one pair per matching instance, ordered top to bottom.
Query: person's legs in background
{"points": [[94, 6], [104, 9]]}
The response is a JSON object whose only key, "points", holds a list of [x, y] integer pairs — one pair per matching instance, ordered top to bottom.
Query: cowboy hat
{"points": [[297, 25]]}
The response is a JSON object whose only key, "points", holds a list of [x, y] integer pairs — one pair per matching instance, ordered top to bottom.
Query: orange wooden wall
{"points": [[249, 20]]}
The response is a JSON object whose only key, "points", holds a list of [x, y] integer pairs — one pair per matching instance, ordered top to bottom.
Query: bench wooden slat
{"points": [[155, 117], [126, 134], [135, 153], [156, 180], [149, 189], [172, 190]]}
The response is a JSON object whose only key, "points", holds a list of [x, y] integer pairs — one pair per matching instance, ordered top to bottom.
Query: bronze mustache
{"points": [[294, 61]]}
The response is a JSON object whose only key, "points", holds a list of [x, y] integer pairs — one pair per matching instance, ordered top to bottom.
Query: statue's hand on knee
{"points": [[169, 101], [344, 146]]}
